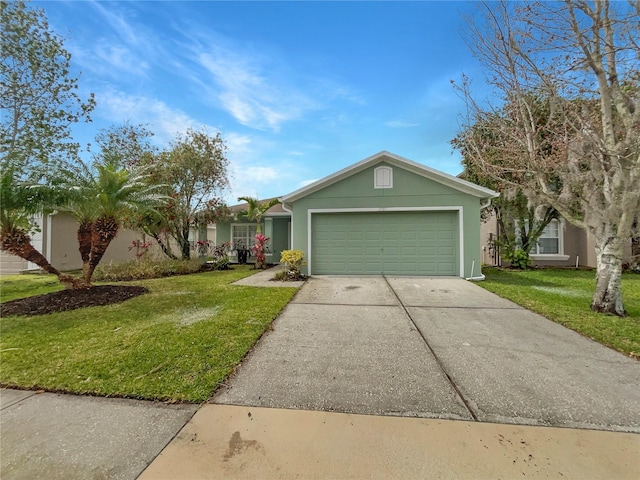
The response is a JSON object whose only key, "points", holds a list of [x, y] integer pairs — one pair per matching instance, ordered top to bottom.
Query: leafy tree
{"points": [[38, 95], [39, 102], [129, 143], [584, 159], [194, 171], [256, 209]]}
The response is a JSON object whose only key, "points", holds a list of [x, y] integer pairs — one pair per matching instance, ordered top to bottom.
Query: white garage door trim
{"points": [[459, 209]]}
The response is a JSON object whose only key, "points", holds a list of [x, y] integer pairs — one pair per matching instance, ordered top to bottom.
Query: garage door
{"points": [[398, 243]]}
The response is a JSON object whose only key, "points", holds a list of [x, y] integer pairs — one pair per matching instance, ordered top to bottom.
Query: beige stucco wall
{"points": [[488, 228], [60, 246], [64, 253], [10, 264]]}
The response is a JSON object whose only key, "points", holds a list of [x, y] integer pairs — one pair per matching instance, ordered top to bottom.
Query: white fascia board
{"points": [[417, 168]]}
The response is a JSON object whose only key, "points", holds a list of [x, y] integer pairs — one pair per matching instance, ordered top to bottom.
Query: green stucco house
{"points": [[382, 215]]}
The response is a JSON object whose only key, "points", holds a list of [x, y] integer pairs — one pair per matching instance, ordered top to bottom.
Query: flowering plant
{"points": [[141, 247], [259, 250]]}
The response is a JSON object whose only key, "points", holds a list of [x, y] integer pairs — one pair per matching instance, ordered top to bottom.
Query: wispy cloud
{"points": [[122, 46], [108, 60], [246, 91], [165, 121], [401, 124]]}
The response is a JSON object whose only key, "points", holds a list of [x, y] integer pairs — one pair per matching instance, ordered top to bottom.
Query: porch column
{"points": [[268, 232]]}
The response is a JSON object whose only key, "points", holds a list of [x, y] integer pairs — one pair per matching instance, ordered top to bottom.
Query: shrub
{"points": [[260, 250], [220, 255], [518, 258], [293, 261], [145, 268]]}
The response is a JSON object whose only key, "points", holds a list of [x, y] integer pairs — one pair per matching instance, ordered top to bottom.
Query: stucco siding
{"points": [[64, 254], [11, 264]]}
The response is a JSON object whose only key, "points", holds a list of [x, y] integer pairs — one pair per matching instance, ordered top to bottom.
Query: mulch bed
{"points": [[71, 300]]}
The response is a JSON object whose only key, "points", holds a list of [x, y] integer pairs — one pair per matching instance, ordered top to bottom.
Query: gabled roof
{"points": [[398, 161], [276, 210]]}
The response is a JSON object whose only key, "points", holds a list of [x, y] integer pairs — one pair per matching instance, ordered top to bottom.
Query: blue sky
{"points": [[298, 90]]}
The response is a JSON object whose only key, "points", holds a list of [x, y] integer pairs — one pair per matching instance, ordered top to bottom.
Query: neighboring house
{"points": [[384, 214], [276, 225], [57, 241], [561, 245]]}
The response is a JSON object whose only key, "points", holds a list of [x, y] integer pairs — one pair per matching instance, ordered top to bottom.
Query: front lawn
{"points": [[564, 296], [176, 343]]}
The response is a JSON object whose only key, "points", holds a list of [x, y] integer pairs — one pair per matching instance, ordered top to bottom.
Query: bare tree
{"points": [[581, 59]]}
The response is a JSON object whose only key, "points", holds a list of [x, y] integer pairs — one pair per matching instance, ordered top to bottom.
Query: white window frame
{"points": [[383, 177], [251, 239], [552, 256]]}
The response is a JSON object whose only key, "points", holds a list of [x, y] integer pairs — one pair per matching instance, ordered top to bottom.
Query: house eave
{"points": [[444, 178]]}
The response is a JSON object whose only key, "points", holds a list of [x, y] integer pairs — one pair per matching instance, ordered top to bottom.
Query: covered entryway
{"points": [[390, 242]]}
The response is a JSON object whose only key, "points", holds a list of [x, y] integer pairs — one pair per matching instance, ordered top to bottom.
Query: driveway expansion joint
{"points": [[435, 356]]}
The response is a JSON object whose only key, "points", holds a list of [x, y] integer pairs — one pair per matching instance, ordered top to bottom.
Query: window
{"points": [[383, 177], [243, 235], [549, 242]]}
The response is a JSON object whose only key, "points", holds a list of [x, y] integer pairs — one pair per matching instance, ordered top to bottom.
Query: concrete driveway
{"points": [[433, 348]]}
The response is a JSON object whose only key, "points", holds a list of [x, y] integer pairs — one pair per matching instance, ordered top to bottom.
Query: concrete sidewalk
{"points": [[265, 279], [54, 436], [231, 442]]}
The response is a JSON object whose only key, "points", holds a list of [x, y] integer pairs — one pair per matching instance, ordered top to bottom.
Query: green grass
{"points": [[13, 287], [564, 296], [176, 343]]}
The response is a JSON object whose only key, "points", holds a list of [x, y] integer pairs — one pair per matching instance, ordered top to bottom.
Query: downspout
{"points": [[486, 204], [473, 263], [472, 278]]}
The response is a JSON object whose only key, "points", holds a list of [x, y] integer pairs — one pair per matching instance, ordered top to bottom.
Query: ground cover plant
{"points": [[147, 268], [563, 295], [177, 342]]}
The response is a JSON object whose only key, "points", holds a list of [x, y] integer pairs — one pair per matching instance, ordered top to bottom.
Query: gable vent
{"points": [[383, 177]]}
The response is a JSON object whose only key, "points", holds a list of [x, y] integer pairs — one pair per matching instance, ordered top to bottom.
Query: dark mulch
{"points": [[71, 299]]}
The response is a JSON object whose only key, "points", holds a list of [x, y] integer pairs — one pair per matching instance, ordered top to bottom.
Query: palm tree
{"points": [[100, 199], [18, 202], [256, 209]]}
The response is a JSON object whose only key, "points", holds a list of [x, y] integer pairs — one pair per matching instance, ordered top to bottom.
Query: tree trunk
{"points": [[104, 230], [18, 242], [84, 245], [635, 246], [164, 247], [185, 247], [607, 297]]}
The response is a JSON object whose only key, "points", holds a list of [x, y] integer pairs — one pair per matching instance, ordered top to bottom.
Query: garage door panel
{"points": [[411, 243], [409, 251], [427, 251], [444, 251]]}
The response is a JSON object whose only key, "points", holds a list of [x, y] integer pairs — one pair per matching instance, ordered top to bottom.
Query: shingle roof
{"points": [[276, 209]]}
